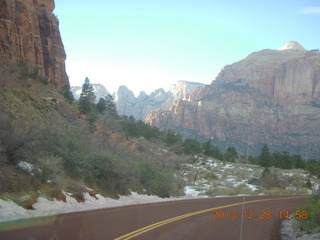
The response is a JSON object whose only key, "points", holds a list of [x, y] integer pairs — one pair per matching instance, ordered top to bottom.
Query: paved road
{"points": [[186, 219]]}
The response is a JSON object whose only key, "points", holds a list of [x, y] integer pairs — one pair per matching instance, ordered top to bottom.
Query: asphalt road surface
{"points": [[223, 218]]}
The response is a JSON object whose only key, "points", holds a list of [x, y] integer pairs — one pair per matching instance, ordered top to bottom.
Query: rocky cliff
{"points": [[29, 32], [271, 96], [140, 107]]}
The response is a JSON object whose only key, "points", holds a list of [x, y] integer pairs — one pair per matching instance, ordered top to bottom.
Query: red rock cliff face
{"points": [[29, 32], [277, 74], [271, 97]]}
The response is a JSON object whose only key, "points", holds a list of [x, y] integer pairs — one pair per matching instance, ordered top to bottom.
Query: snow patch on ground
{"points": [[28, 167], [252, 187], [190, 191], [43, 207]]}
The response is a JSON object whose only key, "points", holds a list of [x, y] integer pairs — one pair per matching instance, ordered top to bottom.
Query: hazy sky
{"points": [[148, 44]]}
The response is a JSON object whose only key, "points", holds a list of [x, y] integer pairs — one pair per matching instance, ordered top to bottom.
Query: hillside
{"points": [[270, 97], [47, 143], [211, 177]]}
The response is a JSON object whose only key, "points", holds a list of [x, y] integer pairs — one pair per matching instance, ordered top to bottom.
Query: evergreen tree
{"points": [[66, 92], [87, 97], [107, 103], [102, 105], [110, 105], [132, 119], [171, 137], [191, 146], [207, 148], [217, 154], [230, 154], [265, 157], [276, 159], [254, 160], [286, 161], [298, 162], [309, 184]]}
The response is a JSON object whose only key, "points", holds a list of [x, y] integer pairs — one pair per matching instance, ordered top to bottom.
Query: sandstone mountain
{"points": [[29, 32], [270, 97], [139, 107]]}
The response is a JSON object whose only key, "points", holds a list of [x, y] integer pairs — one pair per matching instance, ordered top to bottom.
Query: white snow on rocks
{"points": [[28, 167]]}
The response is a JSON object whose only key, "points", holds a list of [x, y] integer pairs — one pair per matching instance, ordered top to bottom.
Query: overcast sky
{"points": [[148, 44]]}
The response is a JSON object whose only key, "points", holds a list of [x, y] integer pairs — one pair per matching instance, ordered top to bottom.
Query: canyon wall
{"points": [[29, 32], [270, 97]]}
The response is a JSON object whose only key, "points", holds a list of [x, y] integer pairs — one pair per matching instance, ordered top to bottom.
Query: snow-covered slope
{"points": [[208, 178]]}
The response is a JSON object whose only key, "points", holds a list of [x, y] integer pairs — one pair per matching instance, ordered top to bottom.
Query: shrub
{"points": [[25, 73], [313, 167], [51, 170], [108, 173], [210, 176], [271, 179], [155, 181], [312, 223]]}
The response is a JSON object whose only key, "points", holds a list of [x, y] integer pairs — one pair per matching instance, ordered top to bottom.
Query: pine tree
{"points": [[66, 92], [87, 97], [107, 103], [102, 105], [111, 106], [191, 146], [207, 148], [217, 154], [230, 154], [265, 157], [286, 161], [298, 162]]}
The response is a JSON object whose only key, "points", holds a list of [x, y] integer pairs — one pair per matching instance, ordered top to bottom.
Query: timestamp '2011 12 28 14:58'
{"points": [[263, 214]]}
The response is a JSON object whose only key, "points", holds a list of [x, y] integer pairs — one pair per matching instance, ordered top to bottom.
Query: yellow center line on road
{"points": [[167, 221]]}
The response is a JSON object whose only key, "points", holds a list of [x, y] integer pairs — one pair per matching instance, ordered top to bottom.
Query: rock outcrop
{"points": [[29, 32], [183, 89], [270, 97], [140, 107]]}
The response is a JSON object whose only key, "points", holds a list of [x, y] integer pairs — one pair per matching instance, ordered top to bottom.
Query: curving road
{"points": [[243, 218]]}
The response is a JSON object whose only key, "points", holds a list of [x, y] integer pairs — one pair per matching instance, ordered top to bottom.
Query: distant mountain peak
{"points": [[292, 45]]}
